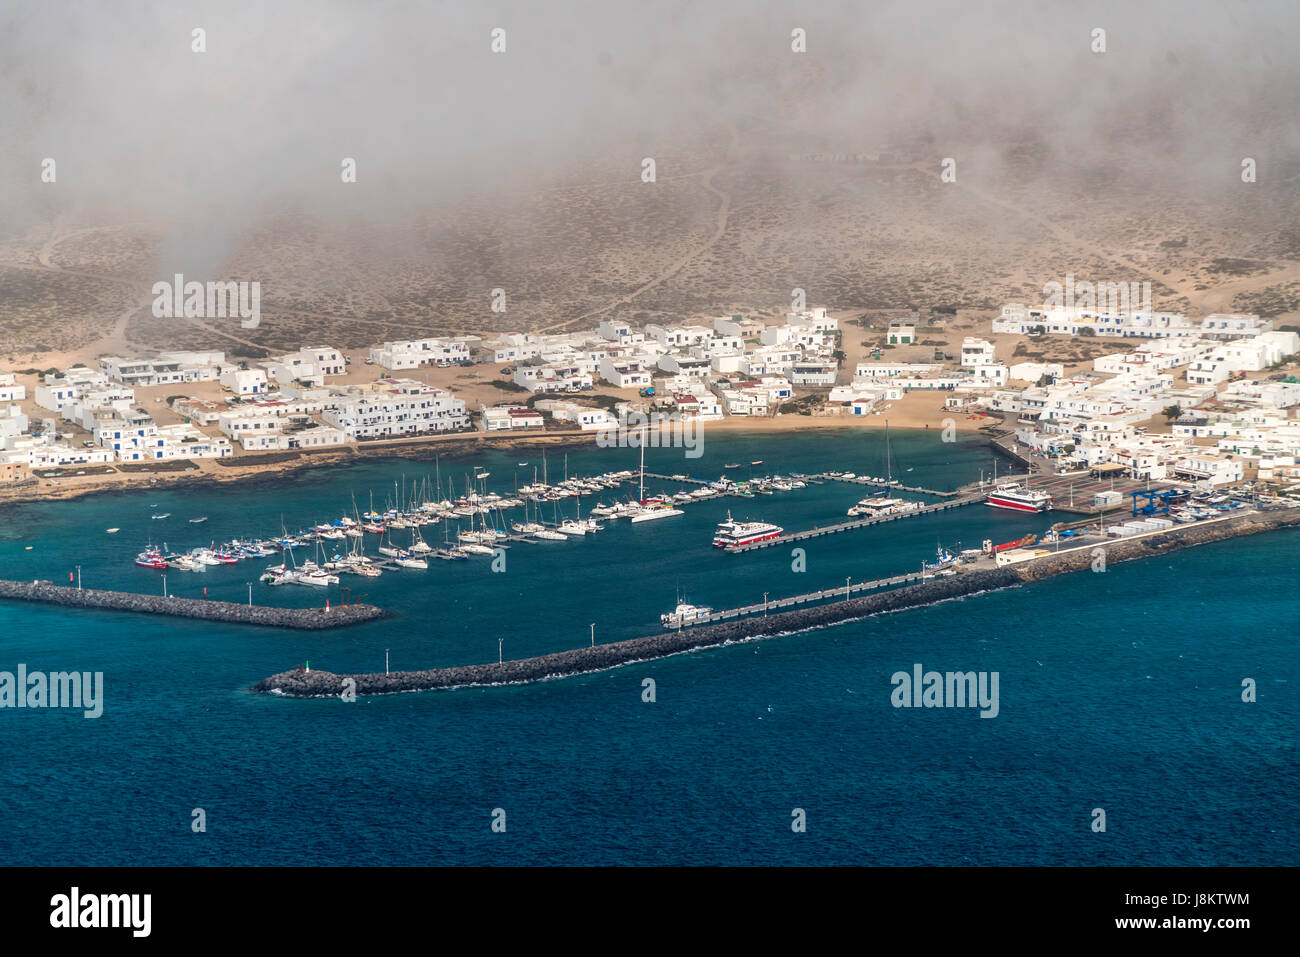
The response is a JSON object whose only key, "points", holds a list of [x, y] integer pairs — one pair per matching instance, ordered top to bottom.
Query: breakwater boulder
{"points": [[966, 583], [338, 616]]}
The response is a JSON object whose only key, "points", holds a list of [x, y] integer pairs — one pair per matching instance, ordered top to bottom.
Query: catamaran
{"points": [[878, 506], [644, 510]]}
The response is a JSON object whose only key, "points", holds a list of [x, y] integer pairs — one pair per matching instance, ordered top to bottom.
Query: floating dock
{"points": [[855, 524], [313, 619]]}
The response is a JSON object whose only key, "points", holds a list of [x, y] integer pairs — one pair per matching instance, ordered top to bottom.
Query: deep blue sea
{"points": [[1119, 691]]}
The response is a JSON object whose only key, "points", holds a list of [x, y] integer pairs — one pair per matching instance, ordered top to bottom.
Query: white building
{"points": [[1233, 326], [901, 332], [413, 353], [976, 353], [310, 365], [691, 366], [166, 368], [1033, 371], [625, 373], [813, 373], [553, 378], [244, 381], [10, 390], [398, 407], [503, 418]]}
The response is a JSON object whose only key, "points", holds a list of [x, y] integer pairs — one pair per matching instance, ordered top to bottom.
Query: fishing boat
{"points": [[757, 462], [732, 465], [1019, 498], [161, 515], [198, 521], [733, 534], [151, 558], [943, 559], [185, 563], [684, 614]]}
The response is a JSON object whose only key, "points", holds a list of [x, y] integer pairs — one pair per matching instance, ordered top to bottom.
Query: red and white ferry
{"points": [[1018, 497], [733, 534]]}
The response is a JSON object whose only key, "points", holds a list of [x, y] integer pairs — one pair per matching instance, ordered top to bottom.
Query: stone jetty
{"points": [[965, 582], [338, 616]]}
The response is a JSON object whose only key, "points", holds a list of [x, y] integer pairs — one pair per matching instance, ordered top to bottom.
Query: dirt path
{"points": [[720, 227]]}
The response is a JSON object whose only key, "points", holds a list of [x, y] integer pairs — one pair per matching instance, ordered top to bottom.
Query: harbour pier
{"points": [[824, 594], [312, 619], [300, 683]]}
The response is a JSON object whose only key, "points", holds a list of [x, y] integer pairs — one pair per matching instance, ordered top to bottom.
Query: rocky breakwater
{"points": [[337, 616], [582, 660]]}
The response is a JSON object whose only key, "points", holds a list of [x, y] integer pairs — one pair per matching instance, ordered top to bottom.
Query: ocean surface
{"points": [[1120, 691]]}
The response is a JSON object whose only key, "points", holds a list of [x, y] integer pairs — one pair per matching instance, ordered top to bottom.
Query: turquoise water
{"points": [[1120, 691]]}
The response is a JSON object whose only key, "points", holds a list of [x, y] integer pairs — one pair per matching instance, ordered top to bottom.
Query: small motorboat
{"points": [[162, 515], [200, 519], [112, 531]]}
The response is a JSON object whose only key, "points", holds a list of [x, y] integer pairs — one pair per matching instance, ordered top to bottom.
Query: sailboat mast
{"points": [[889, 475]]}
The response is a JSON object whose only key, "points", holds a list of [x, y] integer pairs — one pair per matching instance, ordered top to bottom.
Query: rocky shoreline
{"points": [[312, 619], [602, 657]]}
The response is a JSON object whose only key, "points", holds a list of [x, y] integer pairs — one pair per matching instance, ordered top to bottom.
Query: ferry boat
{"points": [[1018, 497], [876, 507], [733, 534], [684, 614]]}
